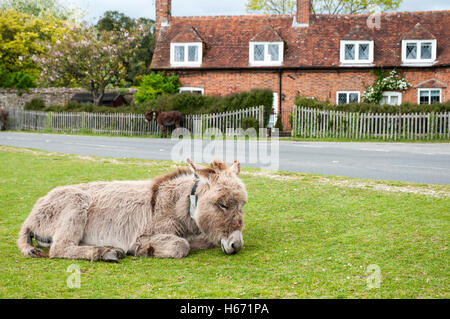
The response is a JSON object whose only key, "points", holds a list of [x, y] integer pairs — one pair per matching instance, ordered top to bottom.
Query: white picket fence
{"points": [[315, 123], [123, 124]]}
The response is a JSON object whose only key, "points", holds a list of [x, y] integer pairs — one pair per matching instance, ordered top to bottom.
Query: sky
{"points": [[146, 8]]}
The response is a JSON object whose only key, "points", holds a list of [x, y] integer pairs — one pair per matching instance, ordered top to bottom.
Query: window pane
{"points": [[411, 50], [349, 51], [364, 51], [259, 52], [274, 52], [425, 52], [179, 53], [193, 53], [435, 96], [424, 97], [342, 98], [353, 98], [384, 100], [394, 100]]}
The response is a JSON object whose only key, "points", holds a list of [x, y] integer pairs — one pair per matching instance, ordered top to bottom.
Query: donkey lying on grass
{"points": [[156, 218]]}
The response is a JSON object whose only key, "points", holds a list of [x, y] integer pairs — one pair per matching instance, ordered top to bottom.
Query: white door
{"points": [[273, 117]]}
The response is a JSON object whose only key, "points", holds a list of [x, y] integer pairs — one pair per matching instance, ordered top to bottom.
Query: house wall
{"points": [[321, 84]]}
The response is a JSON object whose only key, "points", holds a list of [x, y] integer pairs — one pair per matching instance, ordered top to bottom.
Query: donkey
{"points": [[3, 118], [165, 119], [167, 217]]}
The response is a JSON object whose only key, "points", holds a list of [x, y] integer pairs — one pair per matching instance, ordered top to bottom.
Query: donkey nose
{"points": [[233, 243]]}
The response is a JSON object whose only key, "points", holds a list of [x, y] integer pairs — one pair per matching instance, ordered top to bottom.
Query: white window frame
{"points": [[186, 54], [267, 61], [356, 61], [419, 61], [191, 89], [348, 94], [390, 94], [429, 94]]}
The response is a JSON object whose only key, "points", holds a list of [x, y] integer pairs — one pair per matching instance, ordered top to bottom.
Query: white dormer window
{"points": [[356, 52], [417, 52], [266, 53], [186, 54]]}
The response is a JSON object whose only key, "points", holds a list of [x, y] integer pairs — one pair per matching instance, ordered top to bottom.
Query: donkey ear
{"points": [[236, 167], [200, 171]]}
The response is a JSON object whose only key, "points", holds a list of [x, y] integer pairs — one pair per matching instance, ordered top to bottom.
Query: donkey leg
{"points": [[70, 231], [161, 246]]}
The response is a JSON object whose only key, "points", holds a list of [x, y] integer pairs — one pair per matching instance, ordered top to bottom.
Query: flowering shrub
{"points": [[89, 58], [391, 82]]}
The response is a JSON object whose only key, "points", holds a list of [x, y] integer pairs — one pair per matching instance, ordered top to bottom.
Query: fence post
{"points": [[261, 116]]}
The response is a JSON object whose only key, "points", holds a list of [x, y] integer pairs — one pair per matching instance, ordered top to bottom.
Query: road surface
{"points": [[410, 162]]}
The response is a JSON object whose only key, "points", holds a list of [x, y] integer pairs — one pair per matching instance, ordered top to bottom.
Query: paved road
{"points": [[422, 163]]}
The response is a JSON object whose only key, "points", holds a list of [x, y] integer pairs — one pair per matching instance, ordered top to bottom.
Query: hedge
{"points": [[187, 103], [373, 108]]}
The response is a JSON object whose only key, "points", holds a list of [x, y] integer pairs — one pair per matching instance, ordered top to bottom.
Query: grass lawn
{"points": [[306, 236]]}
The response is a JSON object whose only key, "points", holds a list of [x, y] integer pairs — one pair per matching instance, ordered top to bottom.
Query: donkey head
{"points": [[150, 115], [220, 206]]}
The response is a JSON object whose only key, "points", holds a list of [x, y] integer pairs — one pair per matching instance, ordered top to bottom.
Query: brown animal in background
{"points": [[3, 118], [165, 119], [106, 220]]}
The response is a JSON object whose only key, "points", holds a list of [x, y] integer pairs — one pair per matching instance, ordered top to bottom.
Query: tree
{"points": [[323, 6], [43, 8], [115, 21], [21, 36], [91, 58], [139, 63]]}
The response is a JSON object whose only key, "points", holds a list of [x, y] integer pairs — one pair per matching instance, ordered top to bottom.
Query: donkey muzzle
{"points": [[233, 243]]}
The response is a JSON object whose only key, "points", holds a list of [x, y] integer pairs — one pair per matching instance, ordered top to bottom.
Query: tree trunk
{"points": [[97, 94]]}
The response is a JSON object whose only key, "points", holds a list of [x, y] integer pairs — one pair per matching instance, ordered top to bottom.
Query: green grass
{"points": [[306, 236]]}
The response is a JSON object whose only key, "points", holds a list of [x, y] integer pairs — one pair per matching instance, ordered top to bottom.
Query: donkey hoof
{"points": [[111, 257]]}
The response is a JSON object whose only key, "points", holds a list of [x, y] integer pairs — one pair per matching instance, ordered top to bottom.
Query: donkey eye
{"points": [[222, 206]]}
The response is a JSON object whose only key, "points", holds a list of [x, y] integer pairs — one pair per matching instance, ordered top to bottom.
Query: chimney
{"points": [[303, 13], [163, 14]]}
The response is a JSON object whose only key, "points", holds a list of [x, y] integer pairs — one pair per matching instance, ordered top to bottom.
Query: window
{"points": [[418, 51], [357, 52], [266, 53], [186, 54], [199, 91], [429, 96], [347, 97], [391, 98]]}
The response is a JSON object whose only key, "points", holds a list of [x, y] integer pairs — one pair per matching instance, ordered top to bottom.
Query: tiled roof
{"points": [[316, 46]]}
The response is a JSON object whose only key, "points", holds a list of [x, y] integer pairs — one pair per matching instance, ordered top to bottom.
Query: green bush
{"points": [[16, 80], [154, 85], [189, 103], [36, 104], [373, 108], [250, 122], [279, 124]]}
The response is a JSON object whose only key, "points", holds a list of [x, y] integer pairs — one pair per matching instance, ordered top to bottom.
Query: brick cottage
{"points": [[328, 57]]}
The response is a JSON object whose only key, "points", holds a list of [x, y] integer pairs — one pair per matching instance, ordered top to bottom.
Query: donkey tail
{"points": [[25, 244]]}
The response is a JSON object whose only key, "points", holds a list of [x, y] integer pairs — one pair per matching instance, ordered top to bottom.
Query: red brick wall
{"points": [[321, 84]]}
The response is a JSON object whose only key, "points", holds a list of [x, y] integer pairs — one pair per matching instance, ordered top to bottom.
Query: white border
{"points": [[267, 61], [357, 61], [419, 61], [186, 62], [347, 92], [429, 95]]}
